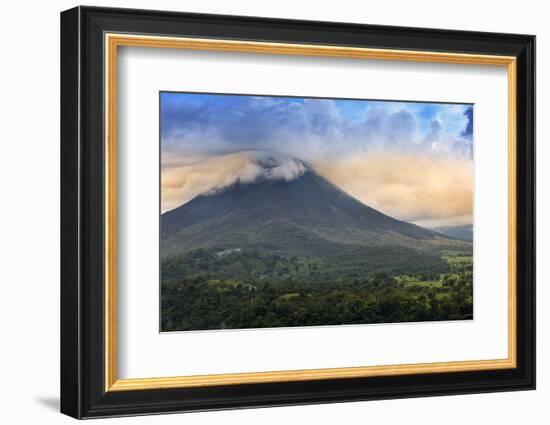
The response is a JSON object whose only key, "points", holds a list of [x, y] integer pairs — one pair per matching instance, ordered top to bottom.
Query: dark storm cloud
{"points": [[467, 133]]}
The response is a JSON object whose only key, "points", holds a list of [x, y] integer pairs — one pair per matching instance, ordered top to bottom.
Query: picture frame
{"points": [[90, 40]]}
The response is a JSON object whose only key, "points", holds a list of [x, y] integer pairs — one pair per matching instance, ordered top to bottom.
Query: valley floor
{"points": [[235, 290]]}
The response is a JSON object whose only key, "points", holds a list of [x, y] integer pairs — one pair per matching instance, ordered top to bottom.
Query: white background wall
{"points": [[29, 224]]}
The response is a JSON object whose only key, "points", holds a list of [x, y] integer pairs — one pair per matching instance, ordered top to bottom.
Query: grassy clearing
{"points": [[458, 259], [425, 284], [287, 297]]}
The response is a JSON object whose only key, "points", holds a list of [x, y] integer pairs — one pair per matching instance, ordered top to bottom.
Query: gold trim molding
{"points": [[113, 41]]}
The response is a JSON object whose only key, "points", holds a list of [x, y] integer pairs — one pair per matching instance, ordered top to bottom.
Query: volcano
{"points": [[303, 214]]}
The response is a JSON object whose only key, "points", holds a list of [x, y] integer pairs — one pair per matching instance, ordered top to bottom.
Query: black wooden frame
{"points": [[82, 218]]}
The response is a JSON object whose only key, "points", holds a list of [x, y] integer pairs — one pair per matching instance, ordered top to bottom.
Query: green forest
{"points": [[231, 289]]}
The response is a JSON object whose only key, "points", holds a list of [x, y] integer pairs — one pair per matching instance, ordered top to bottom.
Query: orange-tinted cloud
{"points": [[184, 177], [426, 189]]}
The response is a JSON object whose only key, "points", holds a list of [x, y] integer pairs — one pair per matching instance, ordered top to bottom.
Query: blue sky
{"points": [[311, 127], [411, 160]]}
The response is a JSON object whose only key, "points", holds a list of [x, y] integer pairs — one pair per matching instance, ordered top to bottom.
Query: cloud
{"points": [[310, 129], [467, 133], [278, 167], [184, 178], [417, 188], [428, 190]]}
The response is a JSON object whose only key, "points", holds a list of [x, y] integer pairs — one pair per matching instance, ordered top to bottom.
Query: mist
{"points": [[184, 177]]}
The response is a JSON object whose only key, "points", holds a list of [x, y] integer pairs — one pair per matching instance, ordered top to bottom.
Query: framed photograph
{"points": [[261, 212]]}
